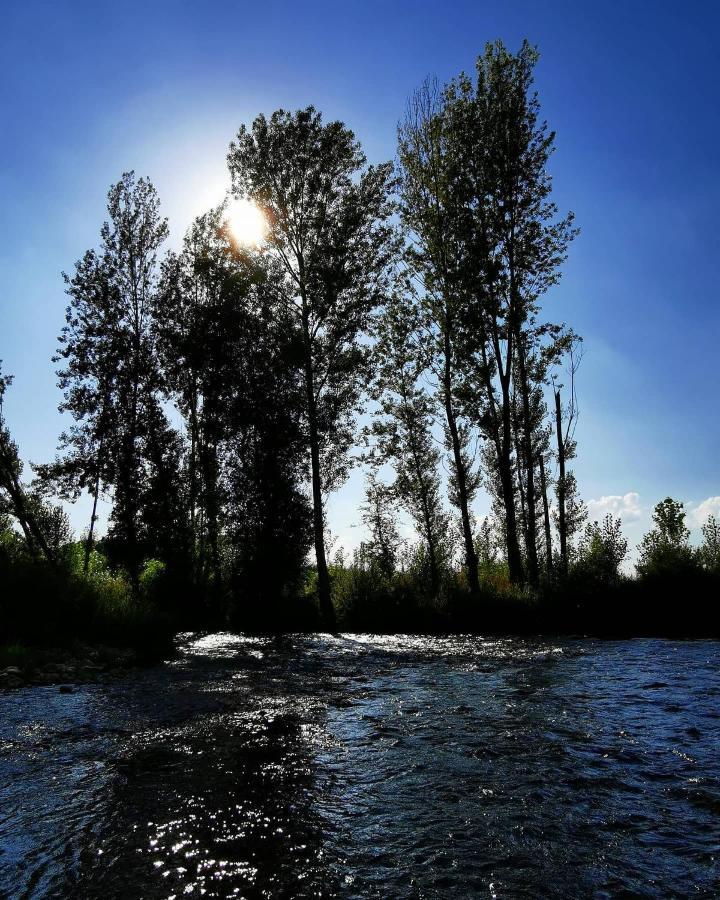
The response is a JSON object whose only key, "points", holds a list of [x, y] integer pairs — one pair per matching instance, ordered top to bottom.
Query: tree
{"points": [[477, 196], [429, 210], [329, 231], [520, 242], [205, 327], [87, 349], [110, 377], [402, 427], [17, 501], [569, 510], [384, 544], [665, 550], [601, 552], [709, 552]]}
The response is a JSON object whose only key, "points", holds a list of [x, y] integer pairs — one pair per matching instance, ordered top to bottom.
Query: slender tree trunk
{"points": [[503, 446], [209, 466], [461, 475], [193, 479], [507, 483], [521, 486], [96, 488], [530, 494], [424, 500], [546, 515], [93, 516], [562, 524], [32, 531], [327, 610]]}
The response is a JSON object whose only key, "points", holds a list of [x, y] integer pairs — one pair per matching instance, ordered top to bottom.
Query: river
{"points": [[370, 766]]}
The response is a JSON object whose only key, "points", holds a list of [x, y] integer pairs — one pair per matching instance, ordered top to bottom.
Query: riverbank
{"points": [[22, 666]]}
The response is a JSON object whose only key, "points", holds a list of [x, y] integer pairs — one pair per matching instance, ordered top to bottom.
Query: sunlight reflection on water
{"points": [[370, 766]]}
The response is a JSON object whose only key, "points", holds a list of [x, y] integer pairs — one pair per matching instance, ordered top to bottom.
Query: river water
{"points": [[367, 766]]}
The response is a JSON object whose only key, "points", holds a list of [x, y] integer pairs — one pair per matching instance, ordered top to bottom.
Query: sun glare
{"points": [[246, 222]]}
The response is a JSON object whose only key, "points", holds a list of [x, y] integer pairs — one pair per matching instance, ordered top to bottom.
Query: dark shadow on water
{"points": [[370, 766]]}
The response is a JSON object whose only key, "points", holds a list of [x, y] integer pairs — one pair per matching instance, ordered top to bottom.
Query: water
{"points": [[365, 766]]}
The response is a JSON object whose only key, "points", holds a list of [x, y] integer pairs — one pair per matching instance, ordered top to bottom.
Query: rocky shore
{"points": [[65, 667]]}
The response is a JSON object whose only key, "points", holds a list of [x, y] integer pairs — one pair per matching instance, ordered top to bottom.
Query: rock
{"points": [[89, 668], [13, 670], [10, 681], [65, 689]]}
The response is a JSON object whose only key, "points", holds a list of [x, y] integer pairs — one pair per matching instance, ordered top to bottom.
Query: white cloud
{"points": [[627, 506], [698, 515]]}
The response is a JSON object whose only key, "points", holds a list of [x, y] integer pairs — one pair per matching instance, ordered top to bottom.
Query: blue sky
{"points": [[89, 90]]}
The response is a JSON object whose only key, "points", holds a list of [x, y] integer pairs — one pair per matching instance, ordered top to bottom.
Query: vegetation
{"points": [[213, 396]]}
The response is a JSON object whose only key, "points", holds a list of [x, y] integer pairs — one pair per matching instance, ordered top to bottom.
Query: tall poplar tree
{"points": [[430, 214], [328, 229], [491, 240], [110, 377], [402, 427]]}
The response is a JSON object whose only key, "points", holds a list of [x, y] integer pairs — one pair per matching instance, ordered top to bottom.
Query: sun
{"points": [[246, 222]]}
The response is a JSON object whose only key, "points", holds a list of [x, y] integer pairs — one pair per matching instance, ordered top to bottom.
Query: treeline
{"points": [[214, 393]]}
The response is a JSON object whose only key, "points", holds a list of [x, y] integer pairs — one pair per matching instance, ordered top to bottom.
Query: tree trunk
{"points": [[504, 443], [503, 448], [461, 475], [530, 494], [424, 500], [546, 515], [93, 517], [562, 524], [32, 531], [327, 611]]}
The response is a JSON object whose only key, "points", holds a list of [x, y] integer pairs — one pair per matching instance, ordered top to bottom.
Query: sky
{"points": [[89, 90]]}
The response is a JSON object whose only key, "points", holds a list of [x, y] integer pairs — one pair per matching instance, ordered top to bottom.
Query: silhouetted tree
{"points": [[477, 197], [430, 212], [329, 231], [205, 324], [110, 377], [402, 427], [22, 506], [569, 512], [384, 544], [666, 550], [601, 552], [709, 552]]}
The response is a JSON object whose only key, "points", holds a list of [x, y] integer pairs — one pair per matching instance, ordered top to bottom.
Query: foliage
{"points": [[331, 239], [214, 398], [665, 551], [601, 552], [709, 553]]}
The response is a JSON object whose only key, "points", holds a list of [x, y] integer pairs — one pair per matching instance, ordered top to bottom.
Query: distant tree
{"points": [[329, 231], [401, 431], [14, 499], [575, 511], [569, 512], [384, 544], [490, 545], [666, 550], [601, 552], [709, 552]]}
